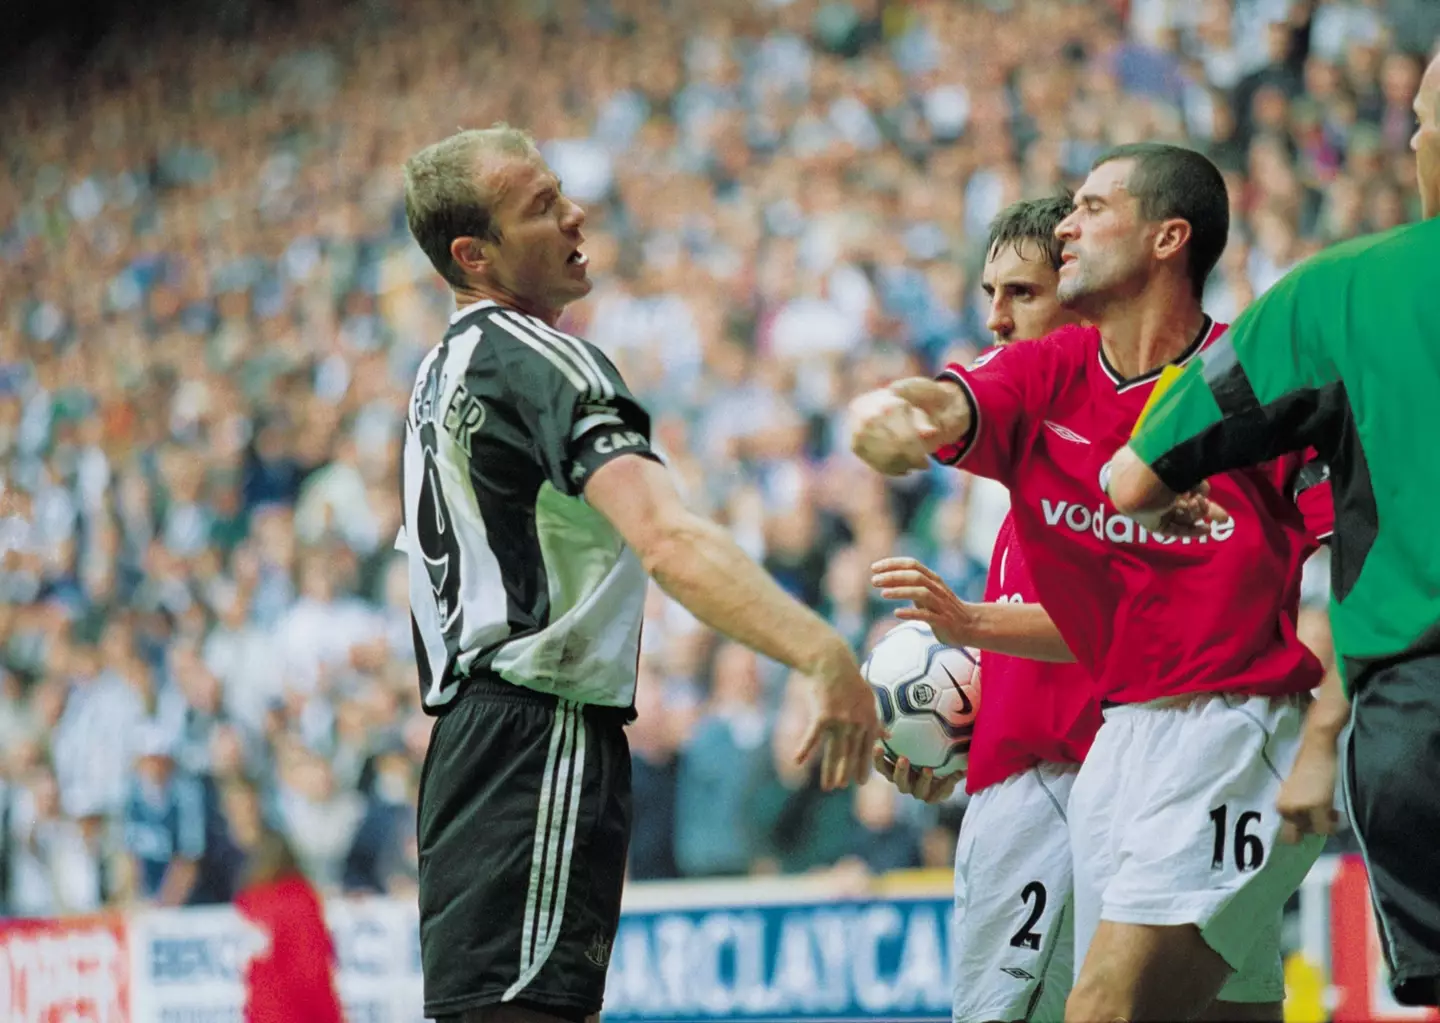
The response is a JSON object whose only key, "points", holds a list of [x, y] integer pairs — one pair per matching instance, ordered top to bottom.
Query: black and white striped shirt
{"points": [[511, 572]]}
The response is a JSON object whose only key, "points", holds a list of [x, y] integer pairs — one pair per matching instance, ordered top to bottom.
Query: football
{"points": [[928, 695]]}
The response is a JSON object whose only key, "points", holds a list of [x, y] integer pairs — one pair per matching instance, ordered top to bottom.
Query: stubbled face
{"points": [[1426, 142], [1106, 242], [537, 260], [1020, 284]]}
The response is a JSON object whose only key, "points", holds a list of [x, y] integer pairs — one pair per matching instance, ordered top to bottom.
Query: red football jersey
{"points": [[1146, 616], [1033, 711]]}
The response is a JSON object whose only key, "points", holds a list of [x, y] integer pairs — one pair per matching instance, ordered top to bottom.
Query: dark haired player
{"points": [[1190, 640], [1015, 945]]}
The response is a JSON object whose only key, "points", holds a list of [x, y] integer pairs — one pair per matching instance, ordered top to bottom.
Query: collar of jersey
{"points": [[460, 314], [1121, 384]]}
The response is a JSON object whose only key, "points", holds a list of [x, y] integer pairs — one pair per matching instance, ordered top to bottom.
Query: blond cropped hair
{"points": [[447, 196]]}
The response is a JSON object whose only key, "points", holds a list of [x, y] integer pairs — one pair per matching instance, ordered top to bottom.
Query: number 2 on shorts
{"points": [[1249, 850], [1026, 937]]}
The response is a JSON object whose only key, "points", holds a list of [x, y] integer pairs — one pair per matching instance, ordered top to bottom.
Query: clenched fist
{"points": [[894, 430]]}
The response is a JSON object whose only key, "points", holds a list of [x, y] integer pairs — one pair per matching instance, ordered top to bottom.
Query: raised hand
{"points": [[932, 601]]}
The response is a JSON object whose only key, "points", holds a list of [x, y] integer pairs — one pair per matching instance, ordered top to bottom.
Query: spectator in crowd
{"points": [[211, 313], [655, 738], [322, 817], [165, 824], [799, 826], [713, 834], [884, 839], [379, 859], [223, 860], [50, 869], [292, 978]]}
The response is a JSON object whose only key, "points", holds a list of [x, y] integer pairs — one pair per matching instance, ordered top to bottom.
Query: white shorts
{"points": [[1173, 821], [1014, 943]]}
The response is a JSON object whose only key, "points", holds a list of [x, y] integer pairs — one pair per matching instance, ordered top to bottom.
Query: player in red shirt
{"points": [[1190, 640], [1014, 954]]}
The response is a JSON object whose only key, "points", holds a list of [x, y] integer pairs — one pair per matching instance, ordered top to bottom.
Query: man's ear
{"points": [[1174, 235], [471, 255]]}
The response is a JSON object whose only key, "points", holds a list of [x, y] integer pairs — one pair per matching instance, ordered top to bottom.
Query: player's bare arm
{"points": [[895, 429], [1136, 491], [698, 563], [1019, 630], [1307, 799]]}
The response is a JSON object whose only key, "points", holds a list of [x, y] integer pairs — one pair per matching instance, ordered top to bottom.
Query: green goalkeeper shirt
{"points": [[1343, 354]]}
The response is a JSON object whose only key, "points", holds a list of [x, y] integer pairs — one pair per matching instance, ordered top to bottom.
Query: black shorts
{"points": [[1394, 807], [524, 825]]}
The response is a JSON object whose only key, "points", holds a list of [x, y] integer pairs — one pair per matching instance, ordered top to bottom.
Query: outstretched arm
{"points": [[1266, 387], [1135, 488], [1137, 491], [698, 563], [1019, 630]]}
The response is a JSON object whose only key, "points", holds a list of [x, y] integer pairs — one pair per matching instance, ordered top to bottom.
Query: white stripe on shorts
{"points": [[555, 825]]}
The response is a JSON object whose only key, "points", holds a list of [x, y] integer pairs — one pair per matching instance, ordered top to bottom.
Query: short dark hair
{"points": [[1172, 181], [446, 198], [1031, 220]]}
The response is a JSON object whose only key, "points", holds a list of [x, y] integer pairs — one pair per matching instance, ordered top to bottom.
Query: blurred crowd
{"points": [[211, 314]]}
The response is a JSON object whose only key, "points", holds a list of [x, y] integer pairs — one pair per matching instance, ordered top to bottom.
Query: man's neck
{"points": [[469, 294], [1150, 331]]}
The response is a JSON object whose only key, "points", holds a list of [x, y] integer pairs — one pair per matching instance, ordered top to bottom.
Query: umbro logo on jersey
{"points": [[1065, 431], [1017, 973]]}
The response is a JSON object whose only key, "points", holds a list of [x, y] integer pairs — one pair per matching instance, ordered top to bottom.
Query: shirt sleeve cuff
{"points": [[953, 454]]}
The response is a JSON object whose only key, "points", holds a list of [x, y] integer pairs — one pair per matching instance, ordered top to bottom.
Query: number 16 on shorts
{"points": [[1236, 843]]}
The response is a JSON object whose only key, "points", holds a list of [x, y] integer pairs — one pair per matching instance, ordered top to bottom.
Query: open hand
{"points": [[933, 602], [844, 724]]}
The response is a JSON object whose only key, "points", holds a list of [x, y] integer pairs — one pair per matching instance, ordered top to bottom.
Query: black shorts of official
{"points": [[1393, 801], [524, 824]]}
